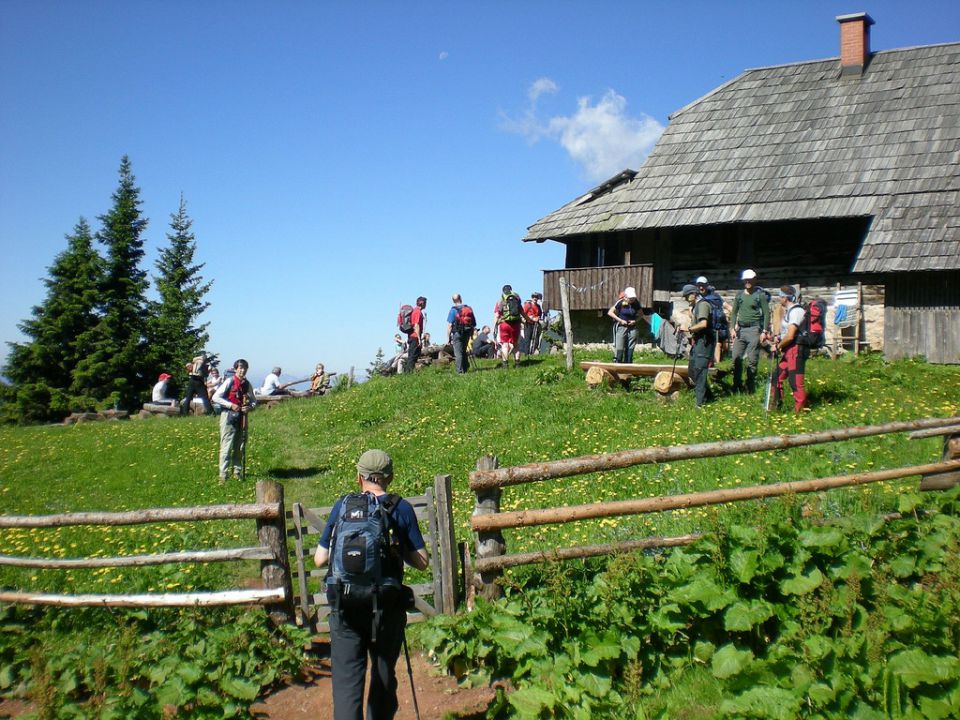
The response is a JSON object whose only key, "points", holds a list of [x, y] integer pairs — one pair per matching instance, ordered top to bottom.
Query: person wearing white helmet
{"points": [[625, 313], [749, 321]]}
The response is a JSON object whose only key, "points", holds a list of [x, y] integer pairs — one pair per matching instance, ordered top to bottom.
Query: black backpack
{"points": [[510, 308], [718, 318], [363, 559]]}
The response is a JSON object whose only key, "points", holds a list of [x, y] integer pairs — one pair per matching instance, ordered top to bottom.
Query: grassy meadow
{"points": [[436, 422], [107, 663]]}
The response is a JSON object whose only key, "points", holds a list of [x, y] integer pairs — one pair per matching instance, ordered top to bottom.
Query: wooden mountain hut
{"points": [[840, 176]]}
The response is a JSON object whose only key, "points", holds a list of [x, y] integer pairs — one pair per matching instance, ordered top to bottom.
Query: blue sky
{"points": [[341, 158]]}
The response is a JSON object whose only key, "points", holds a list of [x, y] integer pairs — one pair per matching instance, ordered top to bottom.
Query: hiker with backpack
{"points": [[719, 310], [624, 313], [508, 314], [410, 320], [749, 322], [461, 323], [531, 331], [703, 339], [793, 348], [196, 384], [235, 398], [368, 537]]}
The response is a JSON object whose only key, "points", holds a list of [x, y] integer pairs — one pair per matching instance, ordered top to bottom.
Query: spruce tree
{"points": [[175, 336], [378, 365], [42, 368], [116, 370]]}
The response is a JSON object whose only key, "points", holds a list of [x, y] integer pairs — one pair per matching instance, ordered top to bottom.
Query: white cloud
{"points": [[443, 56], [539, 87], [602, 138]]}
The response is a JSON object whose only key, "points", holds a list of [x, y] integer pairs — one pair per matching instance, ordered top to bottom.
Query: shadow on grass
{"points": [[294, 473]]}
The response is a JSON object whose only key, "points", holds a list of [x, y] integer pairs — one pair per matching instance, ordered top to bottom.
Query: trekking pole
{"points": [[676, 354], [774, 369], [243, 450], [413, 690]]}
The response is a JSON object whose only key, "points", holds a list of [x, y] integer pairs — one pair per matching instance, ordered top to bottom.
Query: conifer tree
{"points": [[175, 336], [378, 365], [42, 368], [116, 369]]}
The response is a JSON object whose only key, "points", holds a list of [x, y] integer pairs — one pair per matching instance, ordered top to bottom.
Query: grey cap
{"points": [[689, 289], [375, 462]]}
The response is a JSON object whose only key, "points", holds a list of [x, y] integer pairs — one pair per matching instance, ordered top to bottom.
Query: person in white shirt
{"points": [[794, 360], [272, 384], [159, 396]]}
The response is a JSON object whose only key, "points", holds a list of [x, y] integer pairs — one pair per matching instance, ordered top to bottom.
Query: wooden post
{"points": [[860, 319], [567, 327], [350, 378], [945, 481], [443, 492], [273, 534], [490, 543]]}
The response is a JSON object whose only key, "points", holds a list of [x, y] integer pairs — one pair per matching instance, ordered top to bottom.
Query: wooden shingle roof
{"points": [[800, 141]]}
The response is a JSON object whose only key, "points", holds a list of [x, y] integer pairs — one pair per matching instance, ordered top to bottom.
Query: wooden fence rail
{"points": [[535, 472], [488, 480], [271, 552]]}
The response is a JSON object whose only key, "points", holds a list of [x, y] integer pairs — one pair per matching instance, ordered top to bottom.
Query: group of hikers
{"points": [[709, 325], [518, 329], [203, 381], [232, 397]]}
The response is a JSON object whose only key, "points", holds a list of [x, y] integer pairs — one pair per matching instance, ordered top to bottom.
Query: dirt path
{"points": [[439, 697]]}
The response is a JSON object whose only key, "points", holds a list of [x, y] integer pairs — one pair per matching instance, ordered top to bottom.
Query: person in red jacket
{"points": [[530, 331], [414, 339]]}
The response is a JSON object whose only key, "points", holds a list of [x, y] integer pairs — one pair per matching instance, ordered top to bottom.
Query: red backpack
{"points": [[405, 319], [466, 321], [812, 331]]}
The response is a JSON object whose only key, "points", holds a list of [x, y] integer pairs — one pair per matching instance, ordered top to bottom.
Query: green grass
{"points": [[433, 422], [436, 422]]}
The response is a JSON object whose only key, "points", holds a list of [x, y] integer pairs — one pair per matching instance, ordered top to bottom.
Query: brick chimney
{"points": [[854, 42]]}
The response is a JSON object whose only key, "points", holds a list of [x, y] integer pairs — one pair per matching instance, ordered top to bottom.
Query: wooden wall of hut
{"points": [[597, 288], [922, 316]]}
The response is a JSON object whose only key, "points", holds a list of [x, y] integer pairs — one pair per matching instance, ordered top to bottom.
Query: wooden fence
{"points": [[489, 480], [434, 510], [271, 551]]}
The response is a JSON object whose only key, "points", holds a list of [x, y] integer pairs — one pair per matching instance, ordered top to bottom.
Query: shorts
{"points": [[510, 332]]}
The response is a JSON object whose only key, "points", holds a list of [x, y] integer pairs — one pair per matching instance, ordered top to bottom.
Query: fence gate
{"points": [[435, 589]]}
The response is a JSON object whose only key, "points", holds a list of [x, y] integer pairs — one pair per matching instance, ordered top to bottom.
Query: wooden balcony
{"points": [[597, 288]]}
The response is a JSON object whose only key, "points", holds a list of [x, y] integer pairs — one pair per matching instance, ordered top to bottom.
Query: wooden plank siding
{"points": [[597, 288], [922, 317]]}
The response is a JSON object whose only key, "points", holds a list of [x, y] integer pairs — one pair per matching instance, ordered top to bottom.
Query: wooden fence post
{"points": [[567, 327], [945, 481], [443, 492], [273, 534], [490, 543]]}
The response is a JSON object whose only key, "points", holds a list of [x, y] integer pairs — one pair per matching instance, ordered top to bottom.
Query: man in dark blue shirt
{"points": [[353, 631]]}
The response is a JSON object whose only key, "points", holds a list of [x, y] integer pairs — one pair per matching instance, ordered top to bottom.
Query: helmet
{"points": [[748, 275]]}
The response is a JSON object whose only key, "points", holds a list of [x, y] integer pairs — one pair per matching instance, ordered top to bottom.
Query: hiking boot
{"points": [[504, 364]]}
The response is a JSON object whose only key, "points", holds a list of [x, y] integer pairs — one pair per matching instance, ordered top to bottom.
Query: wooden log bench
{"points": [[668, 380], [268, 401], [161, 409]]}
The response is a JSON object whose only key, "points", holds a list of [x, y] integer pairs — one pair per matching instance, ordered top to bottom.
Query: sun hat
{"points": [[748, 275], [630, 293], [375, 462]]}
